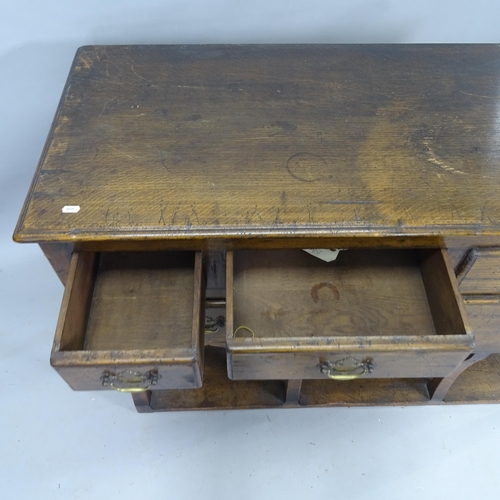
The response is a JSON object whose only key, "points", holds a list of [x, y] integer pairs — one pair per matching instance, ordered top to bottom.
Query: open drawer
{"points": [[371, 313], [132, 321]]}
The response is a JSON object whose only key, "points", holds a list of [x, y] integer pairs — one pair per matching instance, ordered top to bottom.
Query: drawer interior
{"points": [[365, 292], [133, 300]]}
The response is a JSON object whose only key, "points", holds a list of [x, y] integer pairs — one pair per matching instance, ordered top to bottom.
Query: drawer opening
{"points": [[284, 294], [141, 300]]}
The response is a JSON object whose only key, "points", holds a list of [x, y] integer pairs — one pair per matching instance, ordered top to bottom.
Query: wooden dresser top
{"points": [[269, 140]]}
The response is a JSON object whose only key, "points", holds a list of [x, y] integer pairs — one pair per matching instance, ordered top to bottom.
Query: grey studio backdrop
{"points": [[55, 443]]}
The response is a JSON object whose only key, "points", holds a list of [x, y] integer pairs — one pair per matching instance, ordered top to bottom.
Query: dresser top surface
{"points": [[271, 140]]}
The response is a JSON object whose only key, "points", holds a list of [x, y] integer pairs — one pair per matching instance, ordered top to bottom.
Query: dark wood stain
{"points": [[316, 288]]}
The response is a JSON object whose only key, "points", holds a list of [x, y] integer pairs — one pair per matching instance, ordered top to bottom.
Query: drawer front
{"points": [[479, 271], [385, 315], [484, 317], [132, 321], [346, 363], [123, 375]]}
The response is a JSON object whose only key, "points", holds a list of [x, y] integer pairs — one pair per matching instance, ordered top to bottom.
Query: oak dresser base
{"points": [[180, 184], [480, 383]]}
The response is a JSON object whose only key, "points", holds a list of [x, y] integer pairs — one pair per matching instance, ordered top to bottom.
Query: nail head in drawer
{"points": [[132, 321]]}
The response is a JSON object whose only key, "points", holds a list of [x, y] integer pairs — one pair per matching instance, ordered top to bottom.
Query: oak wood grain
{"points": [[196, 142], [288, 240], [290, 293], [142, 300], [445, 300], [75, 307], [407, 361], [374, 392]]}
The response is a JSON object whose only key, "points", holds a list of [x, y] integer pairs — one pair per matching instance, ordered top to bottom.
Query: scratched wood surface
{"points": [[234, 141]]}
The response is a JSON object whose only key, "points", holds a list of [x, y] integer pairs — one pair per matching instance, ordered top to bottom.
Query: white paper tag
{"points": [[71, 209], [324, 253]]}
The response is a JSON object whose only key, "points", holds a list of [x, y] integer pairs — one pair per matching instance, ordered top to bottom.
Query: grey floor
{"points": [[56, 443]]}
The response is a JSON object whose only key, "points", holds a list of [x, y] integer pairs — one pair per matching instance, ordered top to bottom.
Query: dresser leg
{"points": [[438, 387], [293, 392], [142, 401]]}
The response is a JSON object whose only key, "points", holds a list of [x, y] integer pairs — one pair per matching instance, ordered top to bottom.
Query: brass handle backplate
{"points": [[346, 369], [130, 380]]}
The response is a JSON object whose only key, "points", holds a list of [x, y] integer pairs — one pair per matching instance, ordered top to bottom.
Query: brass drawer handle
{"points": [[346, 369], [129, 380]]}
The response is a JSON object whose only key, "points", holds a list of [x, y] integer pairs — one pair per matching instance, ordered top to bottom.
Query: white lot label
{"points": [[71, 209], [323, 253]]}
